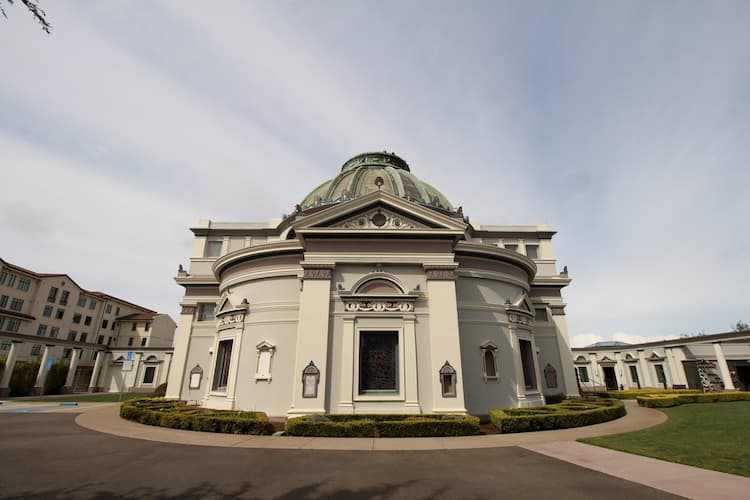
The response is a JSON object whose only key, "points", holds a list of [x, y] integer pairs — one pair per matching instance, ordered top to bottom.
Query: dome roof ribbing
{"points": [[360, 175]]}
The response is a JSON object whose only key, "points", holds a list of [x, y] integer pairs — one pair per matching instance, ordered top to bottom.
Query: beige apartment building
{"points": [[376, 295], [108, 343]]}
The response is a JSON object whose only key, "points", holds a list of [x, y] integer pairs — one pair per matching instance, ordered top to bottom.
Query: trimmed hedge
{"points": [[635, 393], [668, 400], [570, 413], [177, 415], [383, 425]]}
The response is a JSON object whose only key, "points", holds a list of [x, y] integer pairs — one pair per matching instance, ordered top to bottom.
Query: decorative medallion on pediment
{"points": [[379, 219], [379, 306]]}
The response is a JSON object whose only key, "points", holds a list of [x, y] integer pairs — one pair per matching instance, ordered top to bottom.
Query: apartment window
{"points": [[512, 248], [213, 249], [532, 251], [3, 276], [11, 279], [23, 284], [52, 296], [64, 298], [3, 300], [81, 301], [16, 304], [92, 304], [108, 309], [117, 311], [206, 312], [47, 313], [60, 313], [540, 315], [77, 318], [87, 321], [2, 322], [105, 323], [12, 325], [148, 325], [113, 326], [133, 326], [41, 330], [53, 332], [72, 335], [83, 336], [100, 339], [109, 340], [130, 341], [143, 341], [5, 345], [35, 349], [67, 352], [489, 361], [527, 363], [221, 373], [583, 374], [148, 375], [634, 375], [660, 375], [448, 380]]}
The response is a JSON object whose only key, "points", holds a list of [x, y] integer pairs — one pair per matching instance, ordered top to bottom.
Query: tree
{"points": [[36, 11], [740, 326]]}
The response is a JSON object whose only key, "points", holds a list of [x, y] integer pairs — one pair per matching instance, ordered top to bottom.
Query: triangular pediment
{"points": [[380, 212]]}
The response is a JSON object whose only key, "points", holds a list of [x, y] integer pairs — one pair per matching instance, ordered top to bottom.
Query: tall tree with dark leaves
{"points": [[36, 11]]}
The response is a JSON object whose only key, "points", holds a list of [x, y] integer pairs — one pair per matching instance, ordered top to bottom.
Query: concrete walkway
{"points": [[683, 480]]}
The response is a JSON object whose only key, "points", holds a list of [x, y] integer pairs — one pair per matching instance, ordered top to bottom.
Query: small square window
{"points": [[213, 249], [532, 251], [3, 275], [11, 280], [16, 304], [92, 304], [108, 309], [117, 311], [206, 312], [47, 313], [60, 313], [540, 315], [77, 318], [87, 321], [105, 323], [13, 325], [133, 326], [148, 326], [41, 330], [72, 335], [83, 336], [100, 339], [130, 341], [5, 345], [35, 349], [583, 374], [148, 375]]}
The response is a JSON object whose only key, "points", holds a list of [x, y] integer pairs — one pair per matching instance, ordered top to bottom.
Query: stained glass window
{"points": [[378, 361]]}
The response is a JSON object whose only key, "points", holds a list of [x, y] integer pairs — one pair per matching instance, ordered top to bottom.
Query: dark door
{"points": [[743, 373], [610, 379]]}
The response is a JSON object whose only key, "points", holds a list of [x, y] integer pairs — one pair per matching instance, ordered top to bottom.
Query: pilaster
{"points": [[74, 358], [721, 361], [10, 363], [176, 374], [41, 375], [346, 401]]}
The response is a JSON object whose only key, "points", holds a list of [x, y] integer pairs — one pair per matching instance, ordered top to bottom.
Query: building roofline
{"points": [[698, 339]]}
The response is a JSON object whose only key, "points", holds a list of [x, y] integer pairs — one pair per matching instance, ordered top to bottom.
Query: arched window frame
{"points": [[489, 354], [263, 366], [448, 380]]}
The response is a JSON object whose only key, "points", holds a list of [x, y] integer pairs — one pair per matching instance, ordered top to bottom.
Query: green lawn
{"points": [[100, 397], [708, 435]]}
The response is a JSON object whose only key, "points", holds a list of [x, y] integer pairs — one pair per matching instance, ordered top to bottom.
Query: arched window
{"points": [[489, 361], [448, 380]]}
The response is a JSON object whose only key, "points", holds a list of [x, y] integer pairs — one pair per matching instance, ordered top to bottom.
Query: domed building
{"points": [[375, 296]]}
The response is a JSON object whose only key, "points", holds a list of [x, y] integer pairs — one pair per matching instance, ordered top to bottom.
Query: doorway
{"points": [[610, 379]]}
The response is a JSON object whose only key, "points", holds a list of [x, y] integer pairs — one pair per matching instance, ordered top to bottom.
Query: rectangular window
{"points": [[512, 248], [213, 249], [532, 251], [3, 275], [11, 280], [23, 284], [52, 296], [64, 298], [3, 300], [81, 301], [16, 304], [92, 304], [108, 309], [117, 311], [206, 312], [47, 313], [60, 313], [540, 315], [77, 318], [87, 321], [2, 322], [105, 324], [12, 325], [148, 325], [113, 326], [133, 326], [41, 330], [53, 332], [72, 335], [83, 336], [100, 339], [109, 340], [130, 341], [143, 341], [5, 345], [35, 349], [223, 358], [378, 362], [527, 363], [583, 374], [148, 375], [634, 375], [660, 375]]}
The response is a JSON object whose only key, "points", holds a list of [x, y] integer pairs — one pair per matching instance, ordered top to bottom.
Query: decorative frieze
{"points": [[317, 274], [441, 274], [378, 306], [188, 310], [520, 319], [230, 320]]}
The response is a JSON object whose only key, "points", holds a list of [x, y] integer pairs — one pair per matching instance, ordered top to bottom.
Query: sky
{"points": [[623, 125]]}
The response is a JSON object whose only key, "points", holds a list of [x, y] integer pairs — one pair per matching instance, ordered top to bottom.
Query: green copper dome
{"points": [[368, 172]]}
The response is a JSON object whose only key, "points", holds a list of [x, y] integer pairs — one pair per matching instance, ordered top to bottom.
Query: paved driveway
{"points": [[46, 455]]}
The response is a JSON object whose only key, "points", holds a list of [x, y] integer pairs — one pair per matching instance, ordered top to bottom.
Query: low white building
{"points": [[376, 295], [45, 318], [707, 362]]}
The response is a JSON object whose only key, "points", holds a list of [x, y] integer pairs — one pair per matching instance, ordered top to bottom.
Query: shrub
{"points": [[56, 376], [23, 378], [160, 391], [635, 393], [668, 400], [571, 413], [177, 415], [383, 425]]}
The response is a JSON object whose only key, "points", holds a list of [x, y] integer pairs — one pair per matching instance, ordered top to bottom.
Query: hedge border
{"points": [[635, 393], [669, 400], [571, 413], [178, 415], [383, 426]]}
